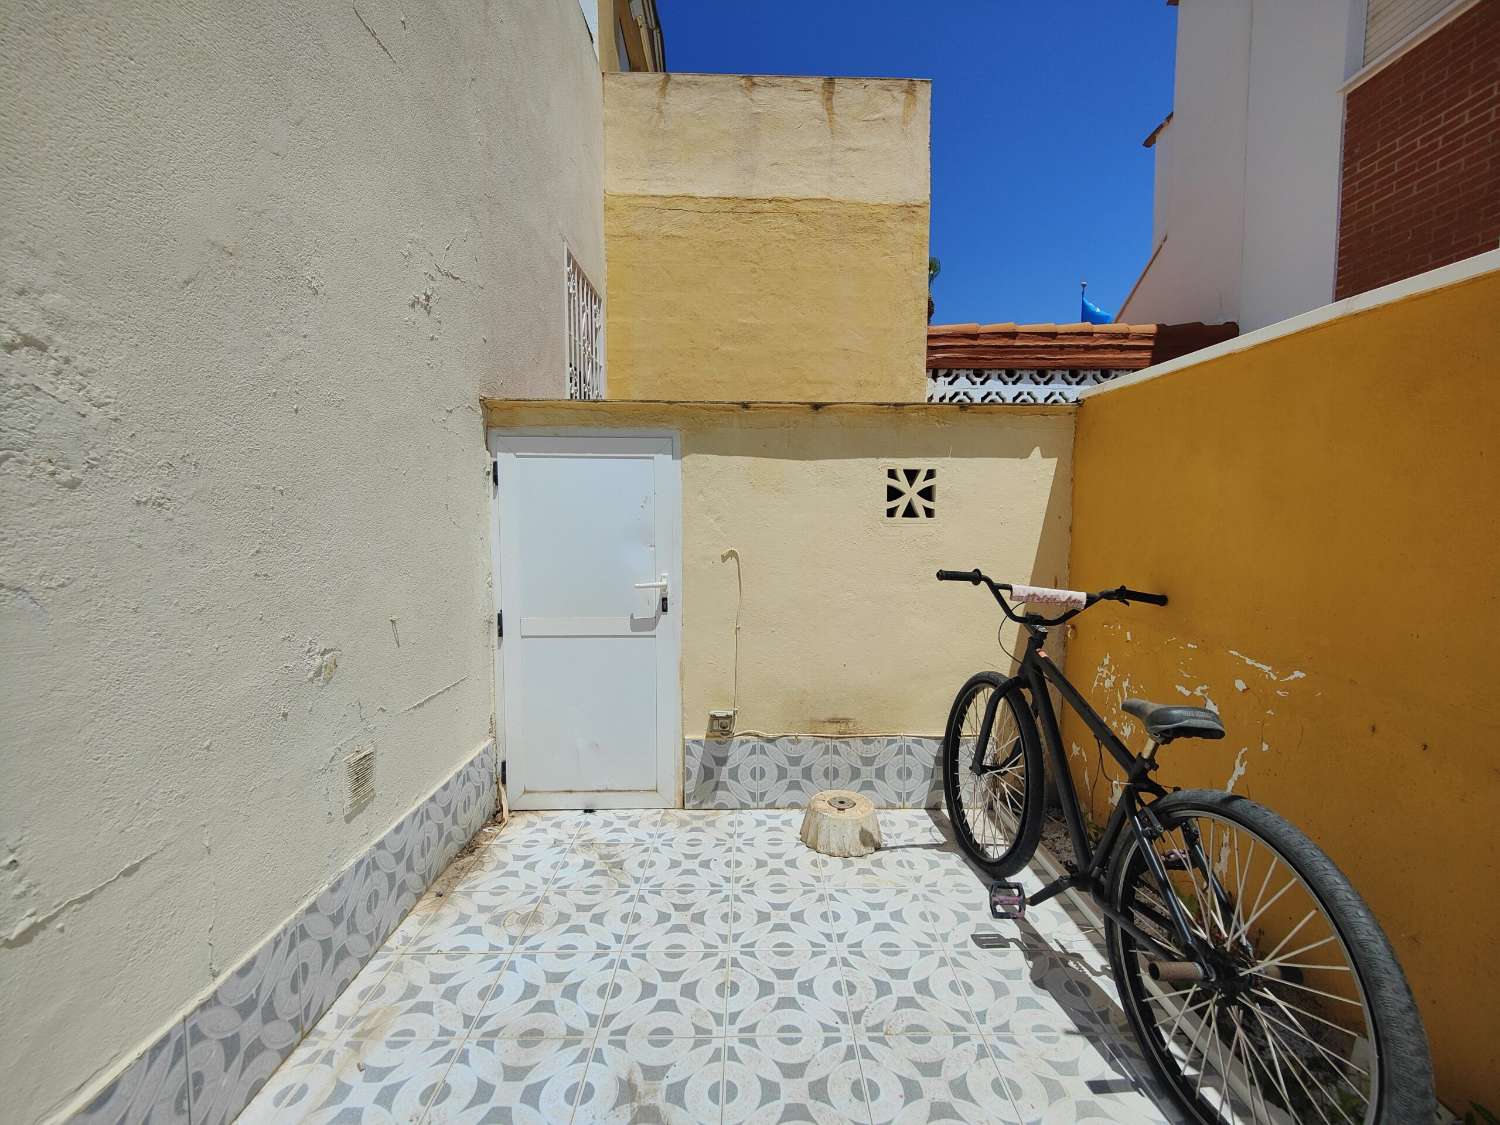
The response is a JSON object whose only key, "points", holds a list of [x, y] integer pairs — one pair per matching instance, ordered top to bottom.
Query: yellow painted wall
{"points": [[766, 238], [1324, 511], [843, 628]]}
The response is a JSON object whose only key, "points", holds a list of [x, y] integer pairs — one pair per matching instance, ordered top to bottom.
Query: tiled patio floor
{"points": [[707, 967]]}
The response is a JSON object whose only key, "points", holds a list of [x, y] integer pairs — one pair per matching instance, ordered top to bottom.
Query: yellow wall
{"points": [[766, 238], [1323, 510], [843, 628]]}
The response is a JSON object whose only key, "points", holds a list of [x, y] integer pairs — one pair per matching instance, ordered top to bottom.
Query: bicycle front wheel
{"points": [[995, 792], [1305, 1015]]}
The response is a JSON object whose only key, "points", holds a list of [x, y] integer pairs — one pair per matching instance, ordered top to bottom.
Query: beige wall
{"points": [[767, 237], [256, 271], [1322, 507], [843, 628]]}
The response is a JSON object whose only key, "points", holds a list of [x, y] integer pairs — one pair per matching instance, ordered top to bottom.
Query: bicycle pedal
{"points": [[1007, 900]]}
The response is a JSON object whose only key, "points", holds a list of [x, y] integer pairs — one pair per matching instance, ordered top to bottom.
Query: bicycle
{"points": [[1252, 1002]]}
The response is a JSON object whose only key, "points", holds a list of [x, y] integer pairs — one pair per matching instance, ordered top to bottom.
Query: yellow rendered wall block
{"points": [[765, 299], [1323, 509], [842, 627]]}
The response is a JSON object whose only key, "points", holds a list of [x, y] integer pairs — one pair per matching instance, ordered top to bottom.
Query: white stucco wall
{"points": [[1294, 144], [1200, 169], [1247, 183], [258, 263]]}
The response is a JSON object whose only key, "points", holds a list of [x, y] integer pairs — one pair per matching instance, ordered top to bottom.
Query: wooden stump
{"points": [[841, 823]]}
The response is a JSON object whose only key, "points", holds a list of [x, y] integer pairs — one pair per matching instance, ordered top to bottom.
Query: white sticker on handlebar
{"points": [[1045, 595]]}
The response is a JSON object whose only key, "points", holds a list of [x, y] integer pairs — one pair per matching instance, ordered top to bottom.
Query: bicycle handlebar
{"points": [[1118, 594]]}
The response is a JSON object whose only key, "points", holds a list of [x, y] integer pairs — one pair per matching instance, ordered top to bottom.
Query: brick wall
{"points": [[1421, 171]]}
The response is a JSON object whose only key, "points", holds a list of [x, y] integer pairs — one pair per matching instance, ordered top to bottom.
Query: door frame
{"points": [[668, 501]]}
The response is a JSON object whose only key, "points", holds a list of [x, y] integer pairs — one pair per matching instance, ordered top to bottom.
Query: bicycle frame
{"points": [[1037, 672]]}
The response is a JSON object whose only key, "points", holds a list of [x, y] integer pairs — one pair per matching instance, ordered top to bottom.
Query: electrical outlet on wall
{"points": [[721, 724]]}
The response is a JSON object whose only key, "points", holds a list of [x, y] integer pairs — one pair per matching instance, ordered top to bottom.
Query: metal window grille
{"points": [[585, 325]]}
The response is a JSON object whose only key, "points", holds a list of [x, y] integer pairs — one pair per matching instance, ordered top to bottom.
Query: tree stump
{"points": [[841, 823]]}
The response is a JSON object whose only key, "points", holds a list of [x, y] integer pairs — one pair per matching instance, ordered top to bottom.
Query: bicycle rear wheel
{"points": [[996, 809], [1307, 1017]]}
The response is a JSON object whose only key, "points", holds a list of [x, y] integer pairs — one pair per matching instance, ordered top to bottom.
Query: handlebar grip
{"points": [[958, 576], [1137, 596]]}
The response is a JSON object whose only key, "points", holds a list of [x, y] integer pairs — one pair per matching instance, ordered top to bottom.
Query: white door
{"points": [[588, 549]]}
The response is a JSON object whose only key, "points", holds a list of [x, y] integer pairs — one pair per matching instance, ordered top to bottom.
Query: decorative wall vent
{"points": [[585, 327], [1015, 385], [910, 493], [360, 769]]}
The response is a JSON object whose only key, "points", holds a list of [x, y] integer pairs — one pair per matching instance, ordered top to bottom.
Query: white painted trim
{"points": [[1421, 35], [1441, 278]]}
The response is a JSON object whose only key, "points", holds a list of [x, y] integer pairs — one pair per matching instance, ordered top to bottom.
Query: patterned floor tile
{"points": [[674, 821], [620, 826], [900, 827], [695, 852], [625, 862], [798, 863], [901, 865], [593, 912], [683, 913], [780, 913], [882, 918], [478, 923], [693, 966], [905, 992], [666, 993], [777, 994], [548, 995], [427, 996], [793, 1079], [932, 1079], [353, 1080], [1078, 1080], [660, 1081], [511, 1082]]}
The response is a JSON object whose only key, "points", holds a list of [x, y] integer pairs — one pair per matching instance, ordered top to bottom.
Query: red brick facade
{"points": [[1421, 175]]}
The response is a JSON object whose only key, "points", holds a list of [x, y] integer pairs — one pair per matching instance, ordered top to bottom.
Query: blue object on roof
{"points": [[1093, 314]]}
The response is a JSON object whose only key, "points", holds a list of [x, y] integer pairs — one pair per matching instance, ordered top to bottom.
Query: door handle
{"points": [[659, 584]]}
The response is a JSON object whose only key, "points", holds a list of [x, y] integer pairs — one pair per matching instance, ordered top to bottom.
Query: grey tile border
{"points": [[743, 772], [206, 1067], [153, 1088]]}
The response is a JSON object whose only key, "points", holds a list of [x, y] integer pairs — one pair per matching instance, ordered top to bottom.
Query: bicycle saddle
{"points": [[1166, 721]]}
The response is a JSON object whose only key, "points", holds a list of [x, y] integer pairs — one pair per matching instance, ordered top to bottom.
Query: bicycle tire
{"points": [[1011, 846], [1398, 1083]]}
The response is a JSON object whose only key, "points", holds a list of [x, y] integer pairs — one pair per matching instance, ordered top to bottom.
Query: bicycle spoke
{"points": [[1306, 918], [1305, 988], [1295, 1029], [1272, 1042], [1301, 1064], [1285, 1065]]}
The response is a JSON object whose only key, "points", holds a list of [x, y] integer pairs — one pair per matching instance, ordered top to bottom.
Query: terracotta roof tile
{"points": [[1115, 346]]}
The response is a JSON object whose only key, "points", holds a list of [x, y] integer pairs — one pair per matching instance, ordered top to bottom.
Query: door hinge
{"points": [[495, 473], [500, 626], [502, 772]]}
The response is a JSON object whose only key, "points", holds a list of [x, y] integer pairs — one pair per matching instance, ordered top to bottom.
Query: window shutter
{"points": [[1388, 22]]}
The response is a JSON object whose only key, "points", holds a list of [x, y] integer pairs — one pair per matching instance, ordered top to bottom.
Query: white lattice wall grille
{"points": [[585, 326], [1013, 384]]}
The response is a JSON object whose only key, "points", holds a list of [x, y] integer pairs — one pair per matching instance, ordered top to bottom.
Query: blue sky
{"points": [[1038, 113]]}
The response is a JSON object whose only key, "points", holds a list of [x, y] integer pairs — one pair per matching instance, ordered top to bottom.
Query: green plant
{"points": [[934, 267]]}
